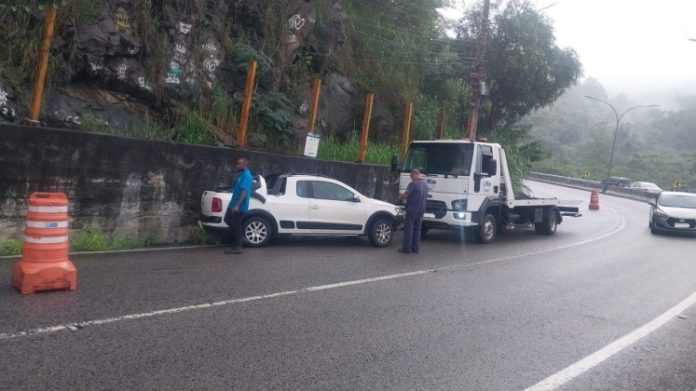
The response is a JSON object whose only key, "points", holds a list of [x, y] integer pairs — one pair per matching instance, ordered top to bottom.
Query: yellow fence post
{"points": [[40, 79], [246, 105], [314, 108], [441, 123], [365, 127], [405, 136]]}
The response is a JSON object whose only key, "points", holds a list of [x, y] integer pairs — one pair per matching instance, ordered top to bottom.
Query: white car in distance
{"points": [[304, 205]]}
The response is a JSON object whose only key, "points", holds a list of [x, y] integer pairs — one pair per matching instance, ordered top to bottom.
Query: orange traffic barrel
{"points": [[594, 200], [45, 264]]}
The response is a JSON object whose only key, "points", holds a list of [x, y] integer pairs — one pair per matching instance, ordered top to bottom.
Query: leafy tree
{"points": [[525, 68]]}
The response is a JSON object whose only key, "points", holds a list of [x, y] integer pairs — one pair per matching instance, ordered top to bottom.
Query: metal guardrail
{"points": [[585, 184]]}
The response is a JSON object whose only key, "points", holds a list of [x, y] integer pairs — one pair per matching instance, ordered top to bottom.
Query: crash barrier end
{"points": [[594, 199], [45, 264]]}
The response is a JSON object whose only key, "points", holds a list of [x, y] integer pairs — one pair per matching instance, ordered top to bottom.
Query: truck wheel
{"points": [[548, 225], [487, 229], [256, 231], [381, 233]]}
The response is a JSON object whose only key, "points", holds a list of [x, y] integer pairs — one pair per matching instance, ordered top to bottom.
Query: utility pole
{"points": [[477, 75]]}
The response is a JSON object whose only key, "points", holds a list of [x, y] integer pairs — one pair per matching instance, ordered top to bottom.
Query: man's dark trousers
{"points": [[234, 221], [412, 231]]}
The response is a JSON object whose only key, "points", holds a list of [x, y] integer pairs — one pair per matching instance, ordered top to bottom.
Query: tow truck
{"points": [[471, 190]]}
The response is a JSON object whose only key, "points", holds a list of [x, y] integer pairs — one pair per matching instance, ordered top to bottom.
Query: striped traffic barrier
{"points": [[45, 264]]}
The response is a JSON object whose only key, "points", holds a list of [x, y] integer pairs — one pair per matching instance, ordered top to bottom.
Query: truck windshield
{"points": [[442, 159]]}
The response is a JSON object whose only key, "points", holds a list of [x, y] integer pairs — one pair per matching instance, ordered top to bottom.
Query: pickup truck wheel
{"points": [[548, 225], [487, 229], [256, 231], [424, 231], [381, 233]]}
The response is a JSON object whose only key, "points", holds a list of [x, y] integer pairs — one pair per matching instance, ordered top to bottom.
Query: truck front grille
{"points": [[438, 208]]}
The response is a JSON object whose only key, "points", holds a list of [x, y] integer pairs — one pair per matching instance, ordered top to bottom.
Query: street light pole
{"points": [[619, 117]]}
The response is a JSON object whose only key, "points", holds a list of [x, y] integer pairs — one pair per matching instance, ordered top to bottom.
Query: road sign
{"points": [[588, 173], [677, 184]]}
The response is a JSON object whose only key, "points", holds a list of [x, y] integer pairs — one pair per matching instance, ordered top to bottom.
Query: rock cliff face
{"points": [[129, 61]]}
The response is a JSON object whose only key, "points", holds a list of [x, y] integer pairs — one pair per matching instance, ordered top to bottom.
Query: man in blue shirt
{"points": [[415, 195], [239, 204]]}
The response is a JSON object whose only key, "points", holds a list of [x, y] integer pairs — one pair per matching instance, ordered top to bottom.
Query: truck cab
{"points": [[470, 188]]}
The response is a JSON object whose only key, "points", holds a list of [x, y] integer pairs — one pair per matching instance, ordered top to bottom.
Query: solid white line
{"points": [[97, 322], [565, 375]]}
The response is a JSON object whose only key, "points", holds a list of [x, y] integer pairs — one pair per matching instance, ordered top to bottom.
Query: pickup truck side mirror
{"points": [[395, 164], [356, 198], [652, 203]]}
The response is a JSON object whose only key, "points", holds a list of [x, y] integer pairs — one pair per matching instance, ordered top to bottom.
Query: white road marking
{"points": [[79, 325], [565, 375]]}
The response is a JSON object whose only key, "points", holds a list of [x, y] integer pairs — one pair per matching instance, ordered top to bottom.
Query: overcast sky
{"points": [[631, 46]]}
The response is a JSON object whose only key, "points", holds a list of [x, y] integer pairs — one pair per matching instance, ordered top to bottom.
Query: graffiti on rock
{"points": [[123, 20], [296, 22], [184, 28], [210, 46], [133, 50], [180, 53], [210, 65], [95, 67], [121, 70], [173, 73], [142, 82], [303, 109], [8, 113], [67, 118]]}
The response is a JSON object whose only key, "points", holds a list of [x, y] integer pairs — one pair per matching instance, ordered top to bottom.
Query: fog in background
{"points": [[639, 48]]}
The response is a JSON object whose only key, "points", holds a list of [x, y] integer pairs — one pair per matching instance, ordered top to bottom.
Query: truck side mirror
{"points": [[395, 164], [492, 167]]}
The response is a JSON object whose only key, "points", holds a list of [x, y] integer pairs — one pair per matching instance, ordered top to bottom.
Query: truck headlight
{"points": [[459, 205], [399, 211], [660, 213]]}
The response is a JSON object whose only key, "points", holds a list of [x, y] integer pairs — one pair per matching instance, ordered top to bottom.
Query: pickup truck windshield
{"points": [[442, 159]]}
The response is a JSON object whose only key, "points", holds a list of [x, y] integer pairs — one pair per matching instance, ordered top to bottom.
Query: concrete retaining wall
{"points": [[124, 186]]}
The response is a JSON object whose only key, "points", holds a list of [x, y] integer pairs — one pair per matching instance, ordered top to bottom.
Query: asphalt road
{"points": [[339, 314]]}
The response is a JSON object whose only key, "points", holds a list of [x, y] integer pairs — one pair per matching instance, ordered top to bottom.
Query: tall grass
{"points": [[347, 151]]}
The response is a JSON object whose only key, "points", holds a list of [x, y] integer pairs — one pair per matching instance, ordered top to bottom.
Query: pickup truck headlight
{"points": [[459, 205], [399, 211]]}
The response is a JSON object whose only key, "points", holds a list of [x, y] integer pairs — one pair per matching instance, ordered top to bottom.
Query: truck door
{"points": [[487, 172]]}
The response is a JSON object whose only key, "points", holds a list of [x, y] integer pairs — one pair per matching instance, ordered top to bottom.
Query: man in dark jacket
{"points": [[415, 195]]}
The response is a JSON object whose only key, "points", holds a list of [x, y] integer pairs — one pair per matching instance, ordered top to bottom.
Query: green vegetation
{"points": [[397, 49], [348, 151], [91, 239], [11, 247]]}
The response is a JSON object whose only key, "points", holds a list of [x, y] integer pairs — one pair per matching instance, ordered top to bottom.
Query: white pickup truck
{"points": [[470, 189], [306, 205]]}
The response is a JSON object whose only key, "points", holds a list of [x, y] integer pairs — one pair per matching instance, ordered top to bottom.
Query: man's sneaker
{"points": [[235, 250]]}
